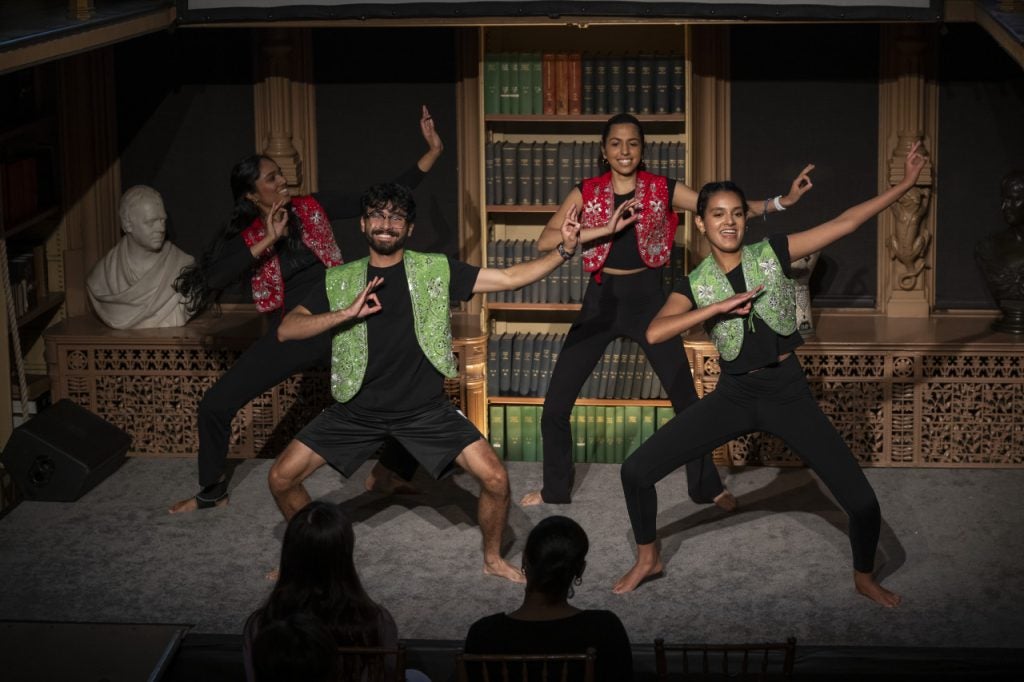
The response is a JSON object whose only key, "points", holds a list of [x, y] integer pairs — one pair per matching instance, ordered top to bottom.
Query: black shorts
{"points": [[434, 436]]}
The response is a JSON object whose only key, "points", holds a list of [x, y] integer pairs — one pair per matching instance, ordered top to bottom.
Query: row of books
{"points": [[574, 83], [542, 173], [25, 279], [565, 284], [521, 365], [602, 434]]}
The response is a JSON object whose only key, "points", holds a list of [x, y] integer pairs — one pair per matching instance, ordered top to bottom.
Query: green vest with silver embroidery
{"points": [[428, 277], [776, 305]]}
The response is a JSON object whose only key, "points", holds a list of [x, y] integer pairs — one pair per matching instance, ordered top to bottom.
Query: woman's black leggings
{"points": [[622, 305], [775, 400]]}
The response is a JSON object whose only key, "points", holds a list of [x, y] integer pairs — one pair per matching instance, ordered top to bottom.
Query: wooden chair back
{"points": [[760, 662], [371, 663], [525, 667]]}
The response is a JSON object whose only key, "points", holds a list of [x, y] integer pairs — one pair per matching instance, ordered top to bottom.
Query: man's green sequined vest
{"points": [[428, 277], [776, 305]]}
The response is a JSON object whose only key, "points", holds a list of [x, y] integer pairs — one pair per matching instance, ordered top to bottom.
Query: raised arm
{"points": [[434, 144], [801, 185], [551, 237], [816, 238], [521, 274], [678, 314], [300, 323]]}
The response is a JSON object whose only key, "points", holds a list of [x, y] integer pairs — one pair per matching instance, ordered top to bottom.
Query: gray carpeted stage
{"points": [[951, 544]]}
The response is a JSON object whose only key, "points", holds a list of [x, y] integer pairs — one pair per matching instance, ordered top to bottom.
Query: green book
{"points": [[537, 79], [492, 83], [505, 83], [513, 83], [525, 83], [663, 415], [579, 417], [590, 417], [646, 422], [529, 426], [609, 427], [497, 428], [633, 432], [513, 433], [619, 433], [600, 435]]}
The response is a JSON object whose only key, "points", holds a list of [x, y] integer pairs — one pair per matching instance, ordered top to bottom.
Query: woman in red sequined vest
{"points": [[629, 224], [283, 243]]}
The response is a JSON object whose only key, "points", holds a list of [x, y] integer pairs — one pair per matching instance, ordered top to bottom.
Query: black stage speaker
{"points": [[63, 452]]}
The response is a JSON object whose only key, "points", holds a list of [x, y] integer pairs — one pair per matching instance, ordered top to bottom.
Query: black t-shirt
{"points": [[624, 254], [762, 346], [399, 378], [500, 634]]}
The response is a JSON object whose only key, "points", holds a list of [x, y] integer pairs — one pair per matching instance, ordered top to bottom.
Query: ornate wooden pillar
{"points": [[285, 104], [908, 111], [468, 115], [709, 119], [92, 173]]}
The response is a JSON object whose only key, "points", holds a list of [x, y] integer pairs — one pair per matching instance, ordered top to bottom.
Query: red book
{"points": [[548, 79], [575, 83], [562, 84]]}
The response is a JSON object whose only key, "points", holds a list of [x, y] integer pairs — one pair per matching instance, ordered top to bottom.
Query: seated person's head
{"points": [[317, 551], [555, 557], [298, 649]]}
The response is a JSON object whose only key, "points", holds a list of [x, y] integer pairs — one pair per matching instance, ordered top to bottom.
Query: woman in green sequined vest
{"points": [[762, 386]]}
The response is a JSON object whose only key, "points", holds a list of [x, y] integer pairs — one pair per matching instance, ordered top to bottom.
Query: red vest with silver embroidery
{"points": [[655, 227], [267, 282]]}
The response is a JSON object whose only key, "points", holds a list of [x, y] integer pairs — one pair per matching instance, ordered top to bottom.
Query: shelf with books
{"points": [[545, 96]]}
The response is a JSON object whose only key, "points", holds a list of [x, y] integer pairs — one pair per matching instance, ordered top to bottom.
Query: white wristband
{"points": [[778, 204]]}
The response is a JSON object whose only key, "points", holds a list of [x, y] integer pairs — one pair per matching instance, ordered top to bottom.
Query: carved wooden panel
{"points": [[149, 383], [902, 408]]}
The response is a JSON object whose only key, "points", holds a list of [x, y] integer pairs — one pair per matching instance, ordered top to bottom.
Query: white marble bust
{"points": [[132, 286]]}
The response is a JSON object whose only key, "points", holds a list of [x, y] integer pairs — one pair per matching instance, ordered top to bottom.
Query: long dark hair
{"points": [[193, 283], [555, 555], [318, 577]]}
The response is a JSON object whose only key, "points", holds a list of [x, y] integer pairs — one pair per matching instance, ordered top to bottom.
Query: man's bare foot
{"points": [[383, 480], [531, 499], [725, 500], [191, 504], [648, 565], [503, 569], [866, 584]]}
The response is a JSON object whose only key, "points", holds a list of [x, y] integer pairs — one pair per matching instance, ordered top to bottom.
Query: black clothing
{"points": [[622, 305], [761, 345], [399, 377], [602, 630]]}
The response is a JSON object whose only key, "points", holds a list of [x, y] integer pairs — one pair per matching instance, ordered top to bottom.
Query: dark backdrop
{"points": [[808, 94], [981, 130]]}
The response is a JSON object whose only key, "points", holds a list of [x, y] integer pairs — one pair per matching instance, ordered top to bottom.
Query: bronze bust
{"points": [[1001, 257]]}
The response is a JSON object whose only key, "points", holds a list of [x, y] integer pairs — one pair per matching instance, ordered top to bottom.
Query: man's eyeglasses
{"points": [[395, 219]]}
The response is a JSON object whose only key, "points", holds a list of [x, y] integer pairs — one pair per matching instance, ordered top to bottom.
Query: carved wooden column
{"points": [[285, 104], [908, 111], [468, 116], [709, 119], [92, 172]]}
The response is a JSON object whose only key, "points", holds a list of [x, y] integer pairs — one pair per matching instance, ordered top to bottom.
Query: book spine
{"points": [[662, 69], [537, 79], [677, 81], [549, 82], [492, 83], [505, 83], [525, 84], [561, 84], [575, 84], [587, 84], [631, 84], [616, 85], [645, 96], [509, 151], [537, 172], [524, 173], [550, 173], [529, 425], [497, 430], [513, 433]]}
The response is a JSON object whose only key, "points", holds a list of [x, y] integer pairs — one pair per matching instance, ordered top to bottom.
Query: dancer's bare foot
{"points": [[383, 480], [531, 499], [725, 500], [191, 504], [648, 565], [502, 569], [866, 584]]}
